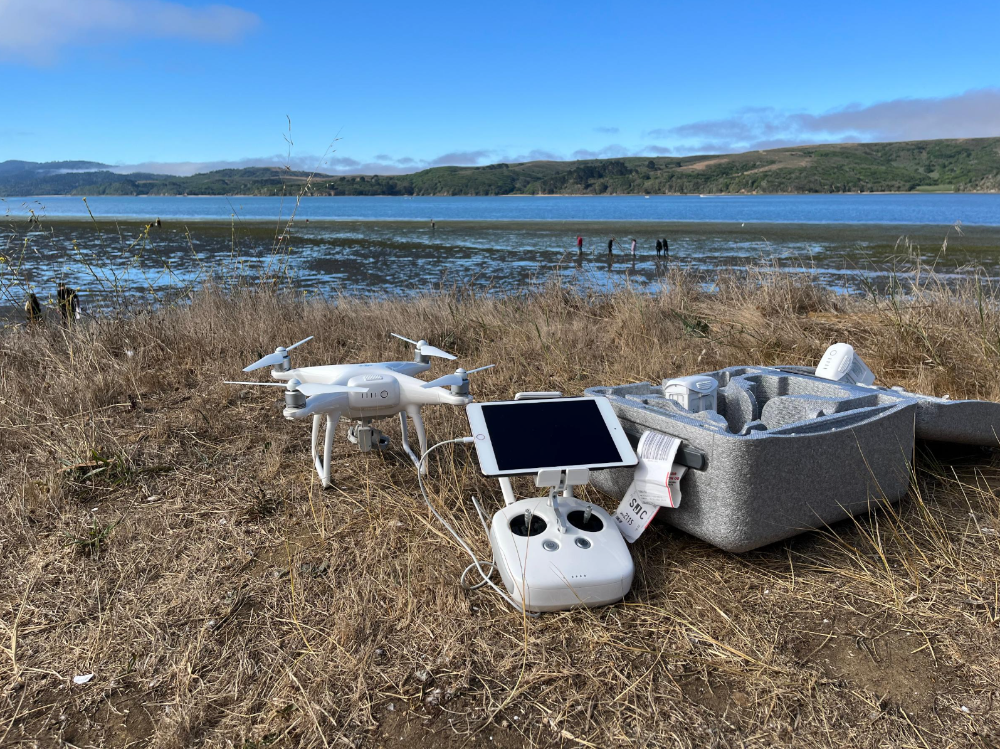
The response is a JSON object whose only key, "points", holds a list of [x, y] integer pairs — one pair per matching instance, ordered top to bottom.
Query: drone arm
{"points": [[427, 396], [456, 400]]}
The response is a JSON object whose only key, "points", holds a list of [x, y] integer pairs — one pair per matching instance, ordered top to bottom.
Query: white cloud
{"points": [[34, 31], [972, 114], [614, 151], [462, 158], [383, 164], [187, 168]]}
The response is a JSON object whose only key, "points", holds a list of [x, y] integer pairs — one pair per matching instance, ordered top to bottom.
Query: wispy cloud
{"points": [[34, 31], [973, 114], [607, 130], [614, 151], [535, 154], [464, 158], [383, 164], [187, 168]]}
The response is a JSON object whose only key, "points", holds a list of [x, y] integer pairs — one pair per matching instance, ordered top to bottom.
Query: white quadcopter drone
{"points": [[363, 392]]}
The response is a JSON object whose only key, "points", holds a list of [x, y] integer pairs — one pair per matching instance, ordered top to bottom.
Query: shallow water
{"points": [[903, 209], [104, 259]]}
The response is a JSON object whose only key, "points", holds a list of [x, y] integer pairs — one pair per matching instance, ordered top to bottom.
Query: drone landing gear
{"points": [[418, 426], [366, 437], [323, 463]]}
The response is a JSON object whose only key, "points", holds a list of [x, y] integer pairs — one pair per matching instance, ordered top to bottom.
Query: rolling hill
{"points": [[968, 165]]}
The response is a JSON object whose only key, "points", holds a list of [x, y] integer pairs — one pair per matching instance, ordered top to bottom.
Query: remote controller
{"points": [[557, 557]]}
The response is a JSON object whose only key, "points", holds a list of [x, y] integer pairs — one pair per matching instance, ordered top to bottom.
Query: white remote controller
{"points": [[555, 558]]}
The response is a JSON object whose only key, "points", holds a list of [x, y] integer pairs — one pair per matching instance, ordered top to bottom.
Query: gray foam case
{"points": [[787, 451]]}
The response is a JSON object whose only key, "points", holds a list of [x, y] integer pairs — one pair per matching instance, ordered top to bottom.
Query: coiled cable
{"points": [[477, 563]]}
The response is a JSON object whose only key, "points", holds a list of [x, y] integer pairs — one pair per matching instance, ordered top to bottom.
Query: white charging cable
{"points": [[476, 562]]}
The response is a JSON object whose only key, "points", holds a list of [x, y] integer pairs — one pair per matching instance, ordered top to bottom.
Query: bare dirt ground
{"points": [[166, 533]]}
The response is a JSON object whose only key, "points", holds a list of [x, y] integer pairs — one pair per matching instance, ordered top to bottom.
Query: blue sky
{"points": [[186, 86]]}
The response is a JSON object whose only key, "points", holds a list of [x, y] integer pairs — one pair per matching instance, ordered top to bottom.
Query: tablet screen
{"points": [[530, 435]]}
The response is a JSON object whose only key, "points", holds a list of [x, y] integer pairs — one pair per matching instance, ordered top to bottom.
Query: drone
{"points": [[363, 392]]}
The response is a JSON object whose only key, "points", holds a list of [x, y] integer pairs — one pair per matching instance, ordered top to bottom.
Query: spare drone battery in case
{"points": [[787, 451]]}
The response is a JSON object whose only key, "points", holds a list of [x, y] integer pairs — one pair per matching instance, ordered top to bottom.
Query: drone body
{"points": [[363, 392]]}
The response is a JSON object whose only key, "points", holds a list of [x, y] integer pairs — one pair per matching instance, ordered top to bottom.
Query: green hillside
{"points": [[968, 165]]}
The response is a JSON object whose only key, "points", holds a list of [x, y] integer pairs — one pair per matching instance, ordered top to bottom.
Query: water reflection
{"points": [[391, 257]]}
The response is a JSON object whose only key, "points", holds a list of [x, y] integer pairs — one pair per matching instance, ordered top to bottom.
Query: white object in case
{"points": [[841, 364], [696, 393], [556, 570]]}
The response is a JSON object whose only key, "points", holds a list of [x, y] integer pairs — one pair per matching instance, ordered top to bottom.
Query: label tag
{"points": [[656, 484], [660, 495], [633, 515]]}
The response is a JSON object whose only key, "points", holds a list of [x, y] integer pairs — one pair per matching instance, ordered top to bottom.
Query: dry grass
{"points": [[221, 598]]}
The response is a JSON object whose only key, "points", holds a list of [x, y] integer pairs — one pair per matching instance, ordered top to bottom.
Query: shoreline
{"points": [[520, 195], [526, 195], [693, 226]]}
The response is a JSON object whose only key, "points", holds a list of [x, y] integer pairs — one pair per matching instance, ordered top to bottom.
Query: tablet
{"points": [[515, 437]]}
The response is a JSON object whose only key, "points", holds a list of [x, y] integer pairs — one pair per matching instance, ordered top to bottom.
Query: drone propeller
{"points": [[425, 349], [280, 356], [458, 378]]}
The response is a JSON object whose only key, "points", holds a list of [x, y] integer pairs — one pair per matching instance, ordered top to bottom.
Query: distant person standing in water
{"points": [[433, 225], [579, 244], [611, 245], [633, 246], [659, 247], [666, 248]]}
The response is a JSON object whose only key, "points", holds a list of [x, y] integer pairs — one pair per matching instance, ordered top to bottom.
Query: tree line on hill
{"points": [[968, 165]]}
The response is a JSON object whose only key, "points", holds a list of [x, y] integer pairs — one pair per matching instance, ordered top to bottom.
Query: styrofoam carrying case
{"points": [[787, 451]]}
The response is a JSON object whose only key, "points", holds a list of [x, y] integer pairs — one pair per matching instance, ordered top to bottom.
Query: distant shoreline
{"points": [[293, 197], [776, 230]]}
